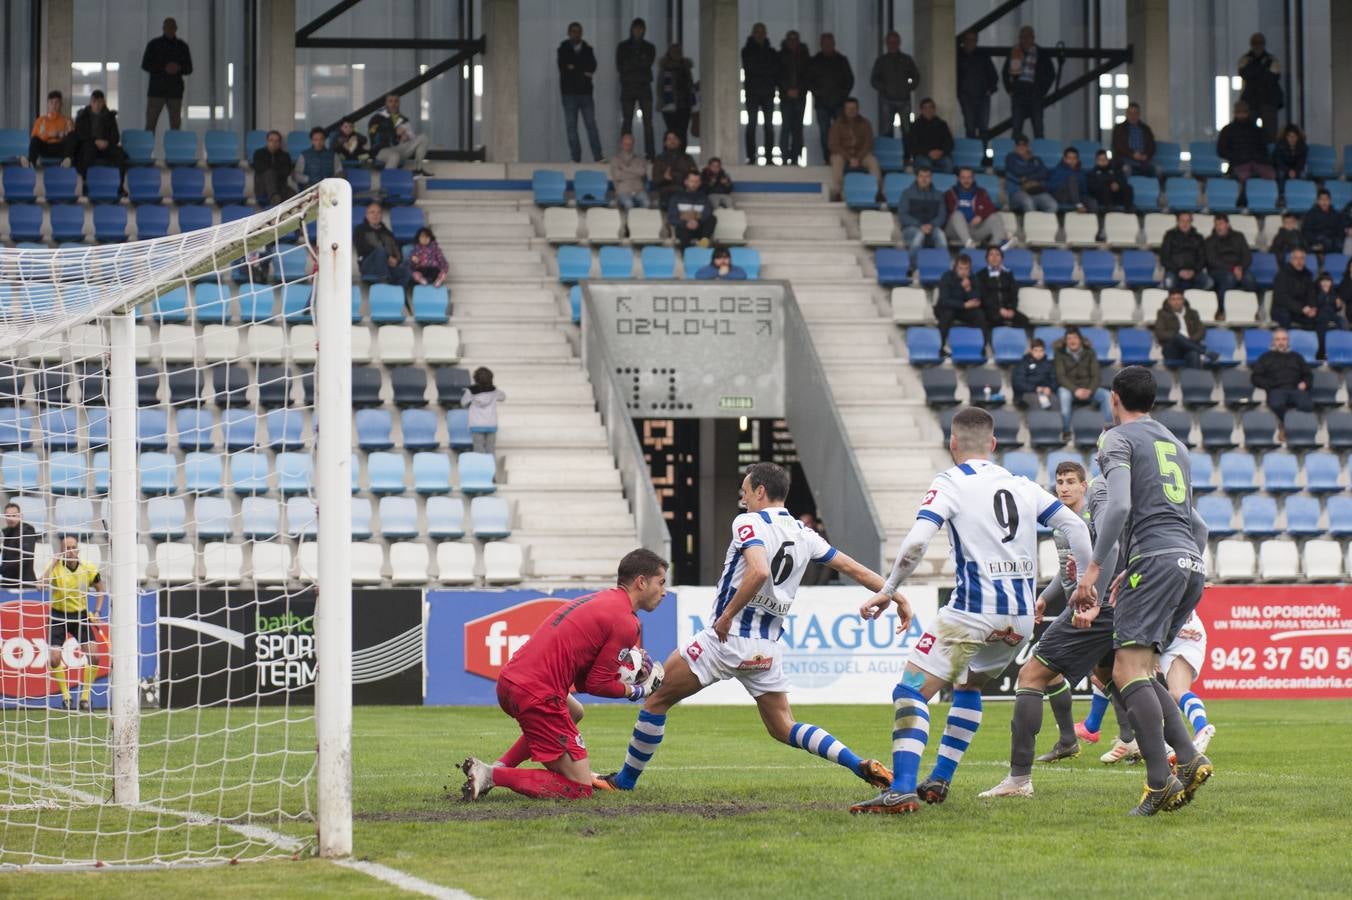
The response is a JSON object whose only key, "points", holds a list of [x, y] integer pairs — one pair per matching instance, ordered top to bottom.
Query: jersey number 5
{"points": [[1175, 488], [1007, 515], [782, 565]]}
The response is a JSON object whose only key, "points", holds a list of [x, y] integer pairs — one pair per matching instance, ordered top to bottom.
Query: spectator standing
{"points": [[167, 59], [634, 59], [794, 64], [577, 68], [760, 74], [895, 75], [1028, 75], [831, 80], [977, 83], [676, 91], [1262, 91], [52, 135], [97, 136], [392, 137], [930, 141], [350, 144], [1134, 144], [1244, 146], [850, 147], [1290, 155], [317, 161], [670, 169], [272, 170], [629, 174], [1026, 179], [1069, 183], [717, 184], [1108, 185], [922, 213], [690, 214], [972, 216], [1323, 227], [1287, 238], [377, 251], [1183, 256], [1228, 259], [427, 264], [720, 268], [1000, 293], [1293, 295], [959, 300], [1180, 332], [1285, 375], [1077, 376], [1035, 378], [482, 397], [18, 541]]}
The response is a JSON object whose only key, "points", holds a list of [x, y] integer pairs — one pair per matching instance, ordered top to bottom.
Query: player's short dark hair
{"points": [[322, 132], [1220, 217], [1037, 342], [1135, 388], [973, 428], [1068, 467], [771, 476], [12, 505], [62, 538], [639, 563]]}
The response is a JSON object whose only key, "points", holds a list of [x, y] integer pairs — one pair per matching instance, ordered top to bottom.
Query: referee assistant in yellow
{"points": [[71, 581]]}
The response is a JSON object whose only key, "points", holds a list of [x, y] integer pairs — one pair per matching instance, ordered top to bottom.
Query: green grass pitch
{"points": [[724, 811]]}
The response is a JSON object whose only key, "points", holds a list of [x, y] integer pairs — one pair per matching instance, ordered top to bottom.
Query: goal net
{"points": [[174, 684]]}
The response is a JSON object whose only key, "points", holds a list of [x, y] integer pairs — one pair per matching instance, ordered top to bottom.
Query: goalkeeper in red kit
{"points": [[580, 645]]}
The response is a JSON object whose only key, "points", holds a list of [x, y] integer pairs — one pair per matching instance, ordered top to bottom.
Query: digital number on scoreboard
{"points": [[694, 315]]}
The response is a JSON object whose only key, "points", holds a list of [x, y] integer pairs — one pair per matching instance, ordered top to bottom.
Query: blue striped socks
{"points": [[1098, 707], [1194, 709], [963, 721], [910, 733], [819, 741], [642, 745]]}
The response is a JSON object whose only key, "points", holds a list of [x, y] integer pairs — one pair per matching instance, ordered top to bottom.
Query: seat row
{"points": [[602, 225], [576, 263], [214, 302], [1318, 472], [1259, 515], [1281, 560]]}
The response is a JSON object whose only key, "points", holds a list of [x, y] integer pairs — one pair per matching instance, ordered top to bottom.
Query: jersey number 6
{"points": [[1007, 515], [782, 565]]}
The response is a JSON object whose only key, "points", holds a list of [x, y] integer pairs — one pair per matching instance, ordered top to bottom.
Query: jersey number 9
{"points": [[1007, 515]]}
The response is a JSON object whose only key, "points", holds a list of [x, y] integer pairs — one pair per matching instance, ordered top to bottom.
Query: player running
{"points": [[1147, 475], [992, 519], [769, 552], [71, 581], [578, 645]]}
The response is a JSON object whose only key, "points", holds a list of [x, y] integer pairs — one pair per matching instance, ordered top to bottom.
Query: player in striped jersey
{"points": [[992, 519], [769, 552]]}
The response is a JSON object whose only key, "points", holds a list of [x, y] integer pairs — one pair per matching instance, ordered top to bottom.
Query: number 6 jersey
{"points": [[1161, 488], [789, 546]]}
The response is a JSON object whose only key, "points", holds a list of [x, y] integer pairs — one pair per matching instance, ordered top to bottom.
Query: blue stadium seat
{"points": [[297, 141], [13, 144], [139, 145], [1001, 147], [180, 148], [222, 148], [1087, 150], [1049, 151], [969, 152], [890, 154], [1168, 158], [1322, 161], [1205, 162], [360, 179], [944, 180], [21, 184], [893, 184], [991, 184], [60, 185], [227, 186], [549, 186], [396, 187], [590, 187], [861, 191], [1145, 192], [1340, 192], [1183, 194], [1222, 195], [1299, 195], [1260, 196], [228, 213], [194, 218], [151, 221], [25, 222], [405, 222], [67, 223], [110, 224], [695, 258], [748, 259], [293, 262], [616, 262], [658, 262], [1019, 262], [574, 263], [931, 263], [894, 266], [1099, 267], [1058, 268], [1138, 268], [212, 302], [257, 303], [387, 303], [356, 305], [431, 305], [172, 306], [1049, 334], [1101, 340], [1222, 342], [1256, 343], [1306, 343], [1008, 344], [1135, 345], [923, 346], [968, 346], [1198, 385], [97, 417], [194, 425], [60, 428], [152, 428], [419, 428], [285, 429], [373, 429], [457, 429], [1044, 429], [1260, 429], [1302, 429], [1217, 430], [1021, 462], [20, 470], [295, 472], [1203, 472], [1239, 472], [68, 473], [158, 473], [249, 473], [385, 473], [431, 473], [477, 473], [1279, 473], [1323, 473], [1218, 513], [1258, 515], [1340, 515], [77, 516], [1302, 516], [491, 517], [167, 518], [212, 518], [260, 518], [302, 518], [361, 518], [398, 518], [445, 518]]}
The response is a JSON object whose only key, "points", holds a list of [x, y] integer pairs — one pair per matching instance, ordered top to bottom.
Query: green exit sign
{"points": [[736, 402]]}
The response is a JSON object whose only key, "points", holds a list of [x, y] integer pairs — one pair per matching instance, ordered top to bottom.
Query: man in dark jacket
{"points": [[634, 58], [167, 59], [794, 62], [577, 67], [760, 72], [895, 75], [1028, 75], [831, 80], [977, 81], [1262, 91], [97, 136], [930, 141], [1134, 144], [1244, 146], [272, 167], [670, 169], [1026, 179], [1069, 183], [1108, 185], [922, 213], [690, 214], [1324, 227], [1288, 237], [377, 250], [1183, 256], [1228, 258], [999, 292], [959, 300], [1294, 302], [1180, 332], [1285, 375], [1077, 376], [1035, 378], [17, 543]]}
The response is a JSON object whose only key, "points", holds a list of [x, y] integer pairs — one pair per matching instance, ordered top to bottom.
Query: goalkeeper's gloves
{"points": [[645, 669], [637, 693]]}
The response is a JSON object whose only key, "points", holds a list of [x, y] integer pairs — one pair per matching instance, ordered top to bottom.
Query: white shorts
{"points": [[963, 643], [1189, 646], [755, 662]]}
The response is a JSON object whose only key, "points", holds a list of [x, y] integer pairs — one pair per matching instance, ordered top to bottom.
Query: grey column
{"points": [[1340, 39], [935, 47], [58, 52], [1148, 72], [502, 81], [720, 83], [276, 91]]}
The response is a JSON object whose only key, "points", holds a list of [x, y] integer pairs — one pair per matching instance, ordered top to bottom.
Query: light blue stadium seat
{"points": [[297, 141], [13, 144], [139, 145], [222, 147], [1001, 147], [180, 148], [1087, 150], [1049, 151], [969, 152], [890, 153], [1168, 158], [1322, 161], [1205, 162], [360, 179], [944, 180], [21, 184], [991, 184], [893, 185], [549, 186], [227, 187], [396, 187], [590, 187], [861, 191], [1145, 192], [1340, 192], [1183, 194], [1299, 194], [1222, 195], [1261, 196], [229, 213], [151, 221], [405, 222], [110, 224], [695, 258], [749, 259], [293, 262], [616, 262], [658, 262], [574, 263], [931, 263], [894, 266], [1099, 267], [1058, 268], [1138, 268], [1264, 269], [212, 302], [257, 303], [296, 303], [575, 303], [356, 304], [431, 305], [172, 306], [1222, 342], [1256, 343], [1306, 343], [1008, 344], [1135, 345], [923, 346], [968, 346], [97, 418], [419, 427], [457, 427], [60, 428], [152, 429], [285, 429], [373, 429], [1021, 462], [19, 469], [101, 472], [158, 472], [295, 472], [1203, 472], [1239, 472], [69, 473], [203, 473], [249, 473], [385, 473], [432, 473], [477, 473], [1279, 473], [1323, 473], [1339, 508], [1218, 513], [77, 516], [1258, 516], [1302, 516], [491, 517], [167, 518], [213, 518], [260, 518], [302, 518], [361, 518], [398, 518], [445, 518]]}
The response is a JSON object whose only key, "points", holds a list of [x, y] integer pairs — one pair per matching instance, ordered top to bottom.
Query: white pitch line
{"points": [[402, 880]]}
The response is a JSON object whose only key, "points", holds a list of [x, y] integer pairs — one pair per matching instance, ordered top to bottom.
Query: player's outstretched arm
{"points": [[754, 575], [862, 575]]}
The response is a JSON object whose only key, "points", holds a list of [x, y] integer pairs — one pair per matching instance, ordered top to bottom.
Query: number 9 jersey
{"points": [[789, 546]]}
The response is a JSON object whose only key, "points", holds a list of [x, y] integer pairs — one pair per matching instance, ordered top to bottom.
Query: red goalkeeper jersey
{"points": [[578, 645]]}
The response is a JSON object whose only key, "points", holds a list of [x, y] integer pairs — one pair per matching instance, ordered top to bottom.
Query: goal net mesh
{"points": [[224, 425]]}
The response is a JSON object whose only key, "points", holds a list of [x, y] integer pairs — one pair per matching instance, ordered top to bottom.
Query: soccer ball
{"points": [[631, 664]]}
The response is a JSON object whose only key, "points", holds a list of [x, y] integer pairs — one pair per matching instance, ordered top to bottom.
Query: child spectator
{"points": [[52, 135], [349, 144], [1290, 155], [717, 184], [1287, 238], [427, 261], [1035, 378], [482, 398]]}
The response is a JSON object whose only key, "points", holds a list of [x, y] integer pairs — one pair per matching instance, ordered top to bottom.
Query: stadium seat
{"points": [[13, 144], [139, 145], [1001, 147], [180, 148], [222, 148], [888, 150], [1049, 151], [969, 152], [1205, 163], [20, 184], [60, 185], [227, 187], [549, 187], [396, 188], [861, 191], [1145, 191], [1183, 195], [1222, 195], [1299, 195], [1260, 197], [194, 218], [151, 221], [25, 222], [405, 222], [67, 223], [110, 224], [604, 225], [645, 226], [729, 226], [877, 228], [1040, 229], [695, 258], [748, 259], [616, 262], [658, 262], [574, 263], [931, 264], [894, 266], [1058, 268], [1099, 268], [1138, 268], [387, 303], [1037, 304], [431, 305], [1306, 343], [967, 345], [1008, 345], [922, 346], [1136, 346], [408, 383], [451, 384], [941, 385], [985, 387], [1198, 388], [1324, 388], [1179, 423], [1007, 425], [1086, 426], [1339, 426], [238, 427], [1260, 427], [418, 428], [152, 429], [285, 429], [457, 429], [1217, 430], [1302, 430], [1022, 463], [19, 469], [1202, 471], [295, 472], [1239, 472], [67, 473], [158, 473], [203, 473], [249, 473], [385, 473], [431, 473], [477, 473], [1280, 473], [1323, 473], [1339, 509], [1218, 514], [1258, 516], [1302, 516], [398, 517], [491, 517], [167, 518], [260, 518], [302, 518], [445, 518], [1235, 560], [1322, 560], [176, 562], [503, 562], [455, 563]]}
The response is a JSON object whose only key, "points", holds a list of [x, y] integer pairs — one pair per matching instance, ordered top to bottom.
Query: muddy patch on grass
{"points": [[454, 811]]}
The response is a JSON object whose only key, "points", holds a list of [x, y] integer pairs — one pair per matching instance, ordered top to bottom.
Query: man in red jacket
{"points": [[972, 216], [578, 645]]}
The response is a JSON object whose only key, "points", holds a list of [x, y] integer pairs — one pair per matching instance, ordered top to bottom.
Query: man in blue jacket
{"points": [[1026, 179], [1069, 183], [922, 213]]}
